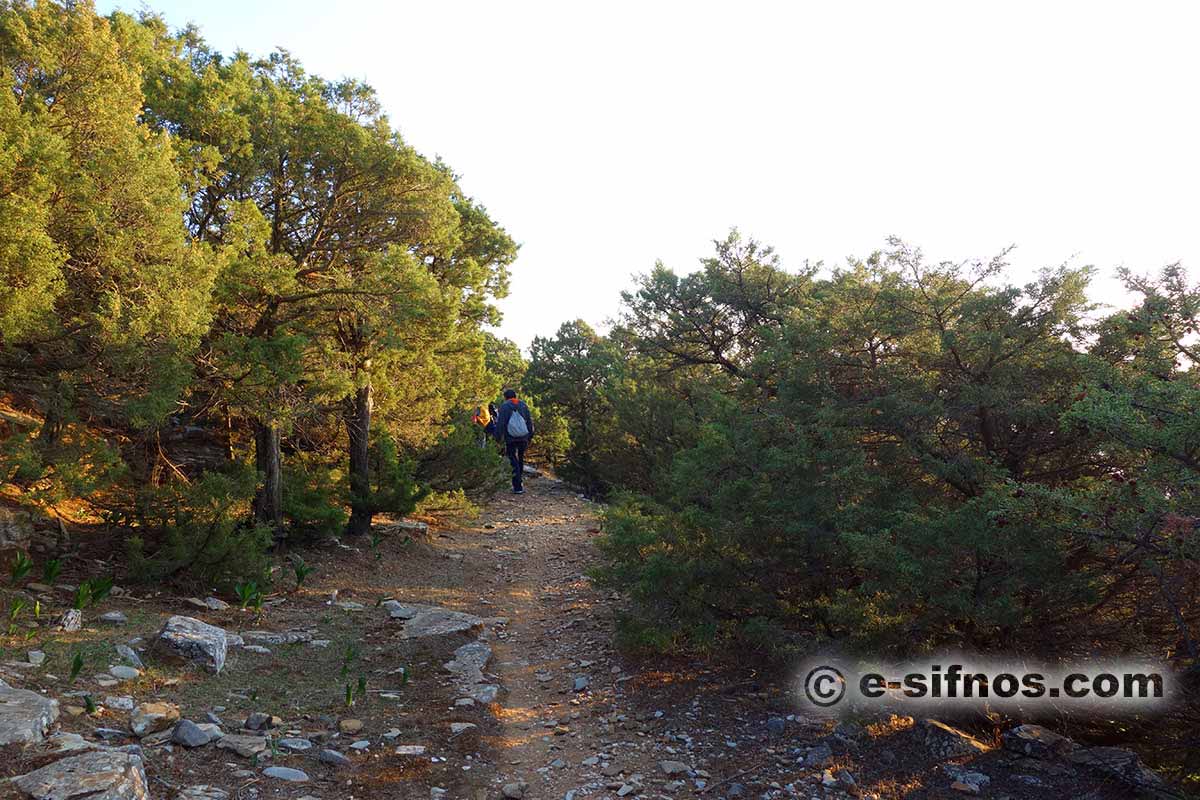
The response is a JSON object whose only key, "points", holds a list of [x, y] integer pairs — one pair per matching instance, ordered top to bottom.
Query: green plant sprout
{"points": [[21, 565], [301, 570], [15, 607], [76, 667]]}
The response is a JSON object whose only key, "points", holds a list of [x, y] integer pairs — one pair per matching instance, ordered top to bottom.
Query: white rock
{"points": [[192, 640], [24, 715], [410, 750]]}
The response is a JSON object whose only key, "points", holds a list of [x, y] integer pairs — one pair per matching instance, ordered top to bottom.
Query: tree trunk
{"points": [[358, 428], [268, 504]]}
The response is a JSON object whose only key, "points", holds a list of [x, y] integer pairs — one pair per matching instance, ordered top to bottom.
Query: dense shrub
{"points": [[900, 456], [203, 529]]}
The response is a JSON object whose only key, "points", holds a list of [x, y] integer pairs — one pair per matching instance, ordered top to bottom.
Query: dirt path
{"points": [[564, 683], [573, 719], [577, 721]]}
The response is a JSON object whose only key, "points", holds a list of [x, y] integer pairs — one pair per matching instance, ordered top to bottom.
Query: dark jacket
{"points": [[506, 410]]}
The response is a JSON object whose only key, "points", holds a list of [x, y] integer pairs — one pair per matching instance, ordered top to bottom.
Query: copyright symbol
{"points": [[824, 686]]}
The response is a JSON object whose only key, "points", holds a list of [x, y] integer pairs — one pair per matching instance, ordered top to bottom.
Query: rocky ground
{"points": [[471, 662]]}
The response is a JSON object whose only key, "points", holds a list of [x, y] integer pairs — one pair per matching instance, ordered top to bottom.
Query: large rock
{"points": [[16, 528], [434, 621], [191, 640], [469, 661], [24, 715], [153, 717], [189, 734], [1036, 741], [945, 742], [244, 746], [1119, 763], [96, 775]]}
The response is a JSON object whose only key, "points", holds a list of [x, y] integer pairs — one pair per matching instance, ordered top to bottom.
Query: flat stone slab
{"points": [[207, 604], [398, 610], [435, 621], [276, 637], [190, 639], [469, 661], [124, 673], [24, 715], [1036, 741], [68, 742], [295, 744], [244, 746], [410, 750], [1118, 763], [286, 774], [95, 775], [203, 792]]}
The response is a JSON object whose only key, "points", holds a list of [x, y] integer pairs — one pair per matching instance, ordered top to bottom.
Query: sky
{"points": [[607, 136]]}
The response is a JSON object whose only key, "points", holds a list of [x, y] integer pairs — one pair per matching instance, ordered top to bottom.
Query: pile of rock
{"points": [[1035, 742], [1112, 762]]}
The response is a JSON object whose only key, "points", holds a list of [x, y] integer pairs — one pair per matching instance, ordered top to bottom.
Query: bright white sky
{"points": [[605, 136]]}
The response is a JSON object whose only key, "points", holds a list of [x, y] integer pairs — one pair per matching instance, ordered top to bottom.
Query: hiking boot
{"points": [[518, 490]]}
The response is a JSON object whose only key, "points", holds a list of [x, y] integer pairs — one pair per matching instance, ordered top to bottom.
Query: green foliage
{"points": [[85, 182], [236, 251], [572, 374], [898, 457], [463, 462], [394, 488], [312, 500], [450, 505], [204, 531], [20, 566], [301, 570], [50, 571], [91, 591], [249, 595], [15, 606], [348, 658], [76, 667], [355, 691]]}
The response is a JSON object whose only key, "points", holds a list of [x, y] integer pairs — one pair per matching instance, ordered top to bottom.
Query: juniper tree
{"points": [[102, 299]]}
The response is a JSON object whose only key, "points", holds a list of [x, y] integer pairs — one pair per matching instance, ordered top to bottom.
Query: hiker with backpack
{"points": [[485, 417], [514, 427]]}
